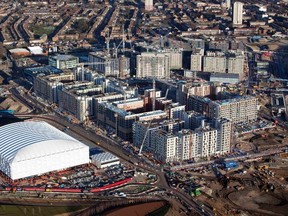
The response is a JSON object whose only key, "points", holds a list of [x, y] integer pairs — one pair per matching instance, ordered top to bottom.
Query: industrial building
{"points": [[225, 78], [34, 148], [104, 159]]}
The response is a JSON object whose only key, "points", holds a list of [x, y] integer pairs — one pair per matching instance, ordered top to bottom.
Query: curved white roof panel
{"points": [[24, 140], [104, 157]]}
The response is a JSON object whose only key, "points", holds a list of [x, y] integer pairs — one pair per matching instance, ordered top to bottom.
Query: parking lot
{"points": [[84, 178]]}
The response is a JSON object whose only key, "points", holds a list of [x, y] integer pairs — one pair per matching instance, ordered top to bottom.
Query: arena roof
{"points": [[23, 140]]}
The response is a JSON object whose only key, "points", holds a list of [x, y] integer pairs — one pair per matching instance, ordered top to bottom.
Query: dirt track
{"points": [[261, 202]]}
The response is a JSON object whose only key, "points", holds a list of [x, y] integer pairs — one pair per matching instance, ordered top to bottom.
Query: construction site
{"points": [[250, 186]]}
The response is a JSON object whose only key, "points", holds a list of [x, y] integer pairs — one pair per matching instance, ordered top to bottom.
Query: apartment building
{"points": [[148, 5], [238, 13], [175, 58], [196, 60], [63, 61], [214, 62], [230, 62], [235, 63], [109, 65], [153, 65], [124, 67], [113, 85], [47, 87], [185, 90], [106, 97], [77, 99], [198, 104], [239, 109], [175, 110], [111, 117], [193, 119], [141, 127], [224, 131], [205, 138], [210, 138], [166, 144], [186, 148]]}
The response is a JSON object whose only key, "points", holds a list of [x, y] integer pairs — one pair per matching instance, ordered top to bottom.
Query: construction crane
{"points": [[122, 42], [91, 63], [154, 95], [145, 136]]}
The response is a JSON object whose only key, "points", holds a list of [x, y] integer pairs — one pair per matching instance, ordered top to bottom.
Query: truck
{"points": [[230, 164]]}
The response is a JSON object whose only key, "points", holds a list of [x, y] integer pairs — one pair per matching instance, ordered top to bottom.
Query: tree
{"points": [[81, 25]]}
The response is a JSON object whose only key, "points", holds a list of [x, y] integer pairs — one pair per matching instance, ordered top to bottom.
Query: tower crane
{"points": [[121, 42], [89, 63], [154, 94], [145, 136]]}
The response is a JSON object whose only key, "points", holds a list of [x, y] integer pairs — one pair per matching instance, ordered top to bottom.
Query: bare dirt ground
{"points": [[10, 103], [265, 203], [139, 210]]}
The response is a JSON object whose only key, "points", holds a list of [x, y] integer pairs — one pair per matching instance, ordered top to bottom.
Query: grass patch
{"points": [[39, 30], [16, 210]]}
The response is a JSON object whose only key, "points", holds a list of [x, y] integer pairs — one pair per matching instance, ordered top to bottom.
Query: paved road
{"points": [[18, 97], [237, 158]]}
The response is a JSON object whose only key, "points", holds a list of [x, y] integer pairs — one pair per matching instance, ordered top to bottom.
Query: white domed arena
{"points": [[34, 148]]}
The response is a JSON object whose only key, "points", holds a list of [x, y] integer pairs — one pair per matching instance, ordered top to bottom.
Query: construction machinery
{"points": [[145, 136]]}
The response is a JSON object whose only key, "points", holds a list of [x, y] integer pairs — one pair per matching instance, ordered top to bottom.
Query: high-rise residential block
{"points": [[148, 5], [237, 13], [196, 61], [214, 63], [153, 65], [239, 109]]}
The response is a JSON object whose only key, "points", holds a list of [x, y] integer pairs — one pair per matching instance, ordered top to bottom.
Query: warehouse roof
{"points": [[35, 50], [25, 140], [104, 157]]}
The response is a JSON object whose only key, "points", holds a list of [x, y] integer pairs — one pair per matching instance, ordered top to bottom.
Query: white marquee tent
{"points": [[34, 148]]}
